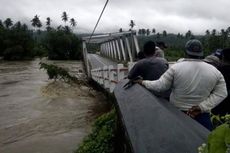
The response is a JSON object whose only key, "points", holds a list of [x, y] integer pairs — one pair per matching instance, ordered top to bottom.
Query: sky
{"points": [[174, 16]]}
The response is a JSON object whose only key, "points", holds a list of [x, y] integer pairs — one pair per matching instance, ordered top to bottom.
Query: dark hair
{"points": [[149, 48], [226, 54]]}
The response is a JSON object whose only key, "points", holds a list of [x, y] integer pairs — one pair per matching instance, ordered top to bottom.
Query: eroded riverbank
{"points": [[41, 116]]}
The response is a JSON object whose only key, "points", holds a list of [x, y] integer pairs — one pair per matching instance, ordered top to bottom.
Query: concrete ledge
{"points": [[153, 125]]}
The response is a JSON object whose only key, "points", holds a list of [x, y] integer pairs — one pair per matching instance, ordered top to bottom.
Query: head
{"points": [[161, 45], [149, 48], [193, 49], [218, 53], [226, 55], [213, 60]]}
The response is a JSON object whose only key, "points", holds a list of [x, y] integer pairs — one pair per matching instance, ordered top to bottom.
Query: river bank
{"points": [[38, 115]]}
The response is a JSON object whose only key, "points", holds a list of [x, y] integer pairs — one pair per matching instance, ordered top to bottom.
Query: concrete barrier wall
{"points": [[153, 125]]}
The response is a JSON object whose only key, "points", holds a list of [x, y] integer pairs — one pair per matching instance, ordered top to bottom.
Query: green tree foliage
{"points": [[8, 23], [16, 41], [62, 44], [55, 72], [102, 138]]}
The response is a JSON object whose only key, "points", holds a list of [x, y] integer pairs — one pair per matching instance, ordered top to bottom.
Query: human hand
{"points": [[139, 81], [194, 111]]}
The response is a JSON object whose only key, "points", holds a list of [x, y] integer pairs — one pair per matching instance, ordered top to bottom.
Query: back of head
{"points": [[149, 48], [193, 48], [226, 55]]}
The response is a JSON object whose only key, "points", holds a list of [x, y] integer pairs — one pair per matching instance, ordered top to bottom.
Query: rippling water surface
{"points": [[38, 115]]}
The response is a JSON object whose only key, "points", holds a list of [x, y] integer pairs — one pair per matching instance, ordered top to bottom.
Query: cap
{"points": [[194, 47]]}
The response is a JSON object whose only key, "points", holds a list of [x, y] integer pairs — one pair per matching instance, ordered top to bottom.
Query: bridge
{"points": [[150, 124]]}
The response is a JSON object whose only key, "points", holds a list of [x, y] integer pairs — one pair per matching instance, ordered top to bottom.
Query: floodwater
{"points": [[38, 115]]}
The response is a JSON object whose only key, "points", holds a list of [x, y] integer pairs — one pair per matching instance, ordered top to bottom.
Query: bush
{"points": [[102, 138]]}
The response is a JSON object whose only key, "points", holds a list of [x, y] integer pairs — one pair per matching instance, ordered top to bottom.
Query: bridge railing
{"points": [[108, 76]]}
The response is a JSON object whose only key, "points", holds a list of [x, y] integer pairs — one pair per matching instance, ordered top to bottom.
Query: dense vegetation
{"points": [[211, 40], [18, 42], [102, 137]]}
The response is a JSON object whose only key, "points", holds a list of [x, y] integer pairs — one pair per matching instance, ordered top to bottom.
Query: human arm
{"points": [[162, 84], [218, 94]]}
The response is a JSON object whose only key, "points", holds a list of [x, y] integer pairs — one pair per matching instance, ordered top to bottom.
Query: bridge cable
{"points": [[98, 20]]}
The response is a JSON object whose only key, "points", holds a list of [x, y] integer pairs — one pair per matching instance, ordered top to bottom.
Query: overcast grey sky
{"points": [[171, 15]]}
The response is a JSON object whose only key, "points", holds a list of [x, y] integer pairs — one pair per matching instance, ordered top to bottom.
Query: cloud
{"points": [[170, 15]]}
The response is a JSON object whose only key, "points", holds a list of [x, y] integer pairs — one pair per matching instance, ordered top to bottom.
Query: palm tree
{"points": [[64, 17], [48, 21], [8, 22], [36, 23], [72, 23], [131, 24], [120, 30], [153, 31], [148, 32], [214, 32], [164, 33], [207, 33], [188, 34]]}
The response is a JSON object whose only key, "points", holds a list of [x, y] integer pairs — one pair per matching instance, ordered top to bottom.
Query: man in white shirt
{"points": [[197, 87]]}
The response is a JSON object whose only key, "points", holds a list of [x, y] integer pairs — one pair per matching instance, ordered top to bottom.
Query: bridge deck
{"points": [[97, 61]]}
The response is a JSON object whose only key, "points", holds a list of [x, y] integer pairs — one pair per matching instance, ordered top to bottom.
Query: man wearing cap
{"points": [[160, 49], [197, 87]]}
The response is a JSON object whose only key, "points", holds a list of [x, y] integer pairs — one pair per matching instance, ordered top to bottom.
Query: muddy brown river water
{"points": [[38, 115]]}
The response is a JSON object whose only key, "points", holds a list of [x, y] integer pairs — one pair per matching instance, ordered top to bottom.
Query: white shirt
{"points": [[193, 82]]}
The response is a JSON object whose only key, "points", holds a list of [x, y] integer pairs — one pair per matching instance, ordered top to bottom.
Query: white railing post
{"points": [[136, 44], [114, 49], [122, 49], [118, 50], [129, 50], [120, 72], [105, 77], [111, 79]]}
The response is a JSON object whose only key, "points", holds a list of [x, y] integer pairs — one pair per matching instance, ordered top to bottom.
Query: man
{"points": [[160, 49], [150, 67], [196, 86], [224, 107]]}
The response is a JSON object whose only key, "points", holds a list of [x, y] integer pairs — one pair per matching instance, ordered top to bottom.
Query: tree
{"points": [[64, 17], [36, 22], [48, 22], [8, 23], [72, 23], [131, 24], [120, 30], [143, 31], [153, 31], [139, 32], [148, 32], [207, 32], [214, 32], [164, 33], [188, 34], [158, 35]]}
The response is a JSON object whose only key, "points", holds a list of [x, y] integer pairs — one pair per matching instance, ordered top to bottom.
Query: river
{"points": [[38, 115]]}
